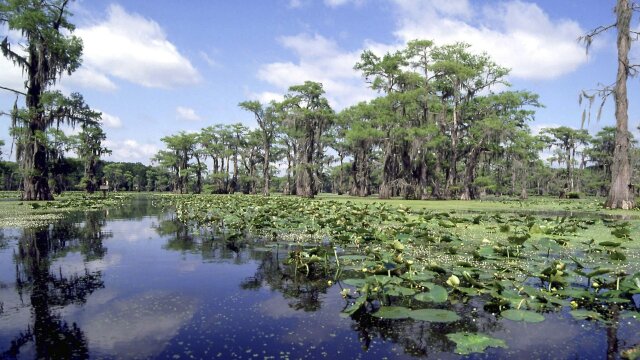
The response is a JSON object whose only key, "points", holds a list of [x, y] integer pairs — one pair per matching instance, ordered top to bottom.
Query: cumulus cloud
{"points": [[517, 34], [131, 47], [320, 60], [87, 77], [266, 97], [185, 113], [110, 121], [130, 150]]}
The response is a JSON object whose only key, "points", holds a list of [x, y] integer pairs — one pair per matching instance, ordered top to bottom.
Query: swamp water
{"points": [[134, 283]]}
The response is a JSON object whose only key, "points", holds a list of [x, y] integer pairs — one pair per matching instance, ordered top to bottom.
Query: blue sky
{"points": [[155, 68]]}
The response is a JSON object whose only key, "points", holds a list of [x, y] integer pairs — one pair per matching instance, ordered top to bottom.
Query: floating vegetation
{"points": [[396, 262], [467, 343]]}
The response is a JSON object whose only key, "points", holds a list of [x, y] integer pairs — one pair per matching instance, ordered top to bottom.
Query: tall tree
{"points": [[50, 51], [312, 112], [266, 119], [89, 148], [621, 195]]}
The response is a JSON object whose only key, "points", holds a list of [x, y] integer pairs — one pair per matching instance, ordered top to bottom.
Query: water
{"points": [[133, 283]]}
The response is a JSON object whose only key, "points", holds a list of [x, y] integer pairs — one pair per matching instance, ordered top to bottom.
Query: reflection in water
{"points": [[121, 284], [47, 289], [141, 325]]}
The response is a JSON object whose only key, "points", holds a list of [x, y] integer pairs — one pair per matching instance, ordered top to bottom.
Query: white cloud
{"points": [[337, 3], [517, 34], [131, 47], [320, 60], [10, 75], [89, 78], [266, 97], [184, 113], [110, 121], [130, 151]]}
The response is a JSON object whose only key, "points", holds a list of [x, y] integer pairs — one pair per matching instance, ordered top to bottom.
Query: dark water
{"points": [[133, 283]]}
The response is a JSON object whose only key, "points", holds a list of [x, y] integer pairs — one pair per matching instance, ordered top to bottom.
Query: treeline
{"points": [[438, 129]]}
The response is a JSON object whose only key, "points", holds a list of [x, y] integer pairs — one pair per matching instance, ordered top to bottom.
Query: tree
{"points": [[50, 50], [312, 115], [266, 119], [567, 140], [89, 148], [182, 148], [620, 195]]}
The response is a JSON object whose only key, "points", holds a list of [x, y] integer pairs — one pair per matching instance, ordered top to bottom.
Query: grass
{"points": [[591, 205]]}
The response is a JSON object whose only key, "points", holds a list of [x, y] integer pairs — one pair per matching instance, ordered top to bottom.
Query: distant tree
{"points": [[267, 121], [568, 141], [88, 145], [182, 148]]}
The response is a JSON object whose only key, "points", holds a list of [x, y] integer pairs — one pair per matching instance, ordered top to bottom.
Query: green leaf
{"points": [[436, 294], [393, 312], [434, 315], [522, 315], [467, 343]]}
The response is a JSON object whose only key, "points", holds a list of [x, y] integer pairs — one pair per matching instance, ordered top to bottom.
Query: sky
{"points": [[155, 68]]}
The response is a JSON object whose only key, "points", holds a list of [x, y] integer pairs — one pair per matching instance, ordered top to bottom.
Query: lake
{"points": [[135, 283]]}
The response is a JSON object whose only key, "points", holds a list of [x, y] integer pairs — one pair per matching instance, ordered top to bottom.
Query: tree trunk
{"points": [[265, 169], [468, 192], [620, 194]]}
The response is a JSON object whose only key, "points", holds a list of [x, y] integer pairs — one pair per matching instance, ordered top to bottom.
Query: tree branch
{"points": [[588, 38], [12, 55], [13, 90]]}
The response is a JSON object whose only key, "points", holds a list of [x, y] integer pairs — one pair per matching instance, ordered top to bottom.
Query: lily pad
{"points": [[400, 291], [436, 294], [393, 312], [434, 315], [522, 315], [585, 315], [467, 343]]}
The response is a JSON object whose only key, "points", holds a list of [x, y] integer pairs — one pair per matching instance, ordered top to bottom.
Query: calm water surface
{"points": [[133, 283]]}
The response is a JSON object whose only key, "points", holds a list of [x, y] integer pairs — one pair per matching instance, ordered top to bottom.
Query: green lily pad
{"points": [[354, 282], [400, 291], [436, 294], [393, 312], [434, 315], [522, 315], [585, 315], [467, 343]]}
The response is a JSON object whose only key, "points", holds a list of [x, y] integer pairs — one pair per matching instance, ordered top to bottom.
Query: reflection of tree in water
{"points": [[136, 209], [209, 247], [47, 289], [303, 292]]}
